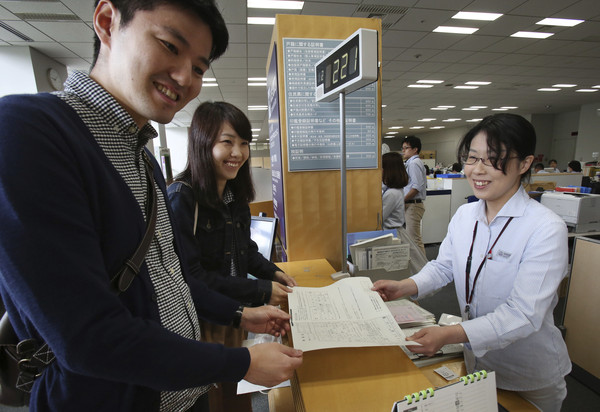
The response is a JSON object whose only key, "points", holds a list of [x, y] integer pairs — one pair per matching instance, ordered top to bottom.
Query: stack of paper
{"points": [[383, 252], [346, 314], [410, 315]]}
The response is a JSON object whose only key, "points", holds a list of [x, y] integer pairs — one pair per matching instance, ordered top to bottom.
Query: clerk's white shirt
{"points": [[512, 330]]}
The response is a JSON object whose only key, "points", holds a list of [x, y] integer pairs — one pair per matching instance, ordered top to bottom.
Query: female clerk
{"points": [[507, 255]]}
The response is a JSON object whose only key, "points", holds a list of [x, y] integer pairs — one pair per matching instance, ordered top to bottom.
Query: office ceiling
{"points": [[516, 67]]}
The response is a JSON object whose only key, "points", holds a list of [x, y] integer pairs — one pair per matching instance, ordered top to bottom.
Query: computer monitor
{"points": [[262, 231]]}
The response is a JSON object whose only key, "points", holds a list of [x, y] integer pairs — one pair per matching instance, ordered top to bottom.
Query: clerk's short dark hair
{"points": [[206, 10], [506, 133]]}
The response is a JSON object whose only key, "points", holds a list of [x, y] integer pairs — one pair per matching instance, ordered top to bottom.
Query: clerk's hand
{"points": [[284, 279], [394, 289], [279, 294], [265, 319], [433, 338], [272, 363]]}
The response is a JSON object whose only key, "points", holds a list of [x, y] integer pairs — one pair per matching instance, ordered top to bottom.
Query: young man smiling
{"points": [[78, 209]]}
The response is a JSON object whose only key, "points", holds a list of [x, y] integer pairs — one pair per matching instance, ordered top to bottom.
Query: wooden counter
{"points": [[350, 379]]}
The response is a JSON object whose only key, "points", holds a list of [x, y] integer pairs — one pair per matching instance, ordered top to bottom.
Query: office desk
{"points": [[346, 379]]}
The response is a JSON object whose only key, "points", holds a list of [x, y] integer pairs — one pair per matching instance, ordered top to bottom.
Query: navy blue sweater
{"points": [[67, 222]]}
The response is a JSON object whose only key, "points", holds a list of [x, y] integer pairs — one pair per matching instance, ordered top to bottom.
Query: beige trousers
{"points": [[413, 215]]}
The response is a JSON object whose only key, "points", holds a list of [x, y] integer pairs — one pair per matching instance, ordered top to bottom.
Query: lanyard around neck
{"points": [[469, 296]]}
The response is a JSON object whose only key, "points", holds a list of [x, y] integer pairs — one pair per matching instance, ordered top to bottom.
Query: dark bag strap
{"points": [[131, 268]]}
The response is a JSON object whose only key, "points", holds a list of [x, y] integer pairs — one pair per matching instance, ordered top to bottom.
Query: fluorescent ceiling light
{"points": [[272, 4], [471, 15], [261, 20], [560, 22], [455, 30], [532, 34], [209, 79], [257, 79], [430, 81], [478, 83], [257, 84], [210, 85], [564, 85], [422, 86], [596, 86], [466, 87], [548, 89], [586, 90], [384, 105], [257, 107], [447, 107], [478, 107], [509, 107], [439, 108], [469, 108], [499, 109], [427, 119], [451, 120], [473, 120], [397, 127], [418, 127], [438, 127], [256, 130], [391, 133], [254, 135], [389, 137]]}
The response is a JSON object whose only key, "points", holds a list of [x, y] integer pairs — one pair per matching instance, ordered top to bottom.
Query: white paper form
{"points": [[345, 314]]}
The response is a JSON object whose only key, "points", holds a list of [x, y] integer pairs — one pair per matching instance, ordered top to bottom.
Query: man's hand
{"points": [[284, 279], [393, 289], [278, 294], [265, 319], [272, 363]]}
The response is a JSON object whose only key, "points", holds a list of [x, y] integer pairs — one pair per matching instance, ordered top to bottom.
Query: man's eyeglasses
{"points": [[406, 148], [490, 161]]}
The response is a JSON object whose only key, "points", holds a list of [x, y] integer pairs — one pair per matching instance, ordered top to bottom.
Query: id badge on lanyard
{"points": [[467, 310], [466, 313]]}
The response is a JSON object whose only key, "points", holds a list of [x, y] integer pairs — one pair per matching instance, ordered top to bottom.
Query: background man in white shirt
{"points": [[416, 190]]}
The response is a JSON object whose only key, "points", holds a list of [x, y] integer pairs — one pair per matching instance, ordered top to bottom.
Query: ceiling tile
{"points": [[542, 8], [328, 9], [60, 31]]}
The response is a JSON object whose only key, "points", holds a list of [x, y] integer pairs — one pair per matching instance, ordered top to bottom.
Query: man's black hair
{"points": [[206, 10], [414, 142]]}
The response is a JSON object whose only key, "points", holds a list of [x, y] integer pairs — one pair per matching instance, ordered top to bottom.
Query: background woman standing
{"points": [[394, 178]]}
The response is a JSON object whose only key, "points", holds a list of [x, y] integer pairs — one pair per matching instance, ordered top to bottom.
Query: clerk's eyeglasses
{"points": [[406, 147], [490, 161]]}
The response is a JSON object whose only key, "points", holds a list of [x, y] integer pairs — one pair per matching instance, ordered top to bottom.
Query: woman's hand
{"points": [[284, 279], [279, 294], [265, 319]]}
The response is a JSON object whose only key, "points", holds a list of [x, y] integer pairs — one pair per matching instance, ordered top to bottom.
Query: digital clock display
{"points": [[350, 66], [340, 67]]}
